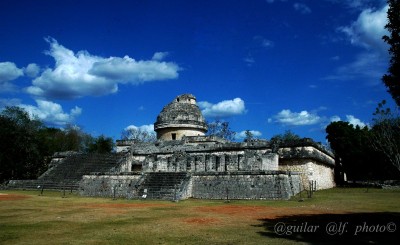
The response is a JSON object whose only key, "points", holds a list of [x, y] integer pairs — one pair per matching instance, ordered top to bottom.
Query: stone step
{"points": [[75, 166], [163, 185]]}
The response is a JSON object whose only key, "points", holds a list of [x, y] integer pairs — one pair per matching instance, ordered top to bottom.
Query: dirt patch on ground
{"points": [[12, 197], [127, 205], [110, 209], [227, 209], [201, 221]]}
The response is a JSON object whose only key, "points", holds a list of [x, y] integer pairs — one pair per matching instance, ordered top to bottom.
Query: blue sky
{"points": [[262, 65]]}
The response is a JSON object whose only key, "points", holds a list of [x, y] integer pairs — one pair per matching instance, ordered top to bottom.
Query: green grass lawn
{"points": [[27, 218]]}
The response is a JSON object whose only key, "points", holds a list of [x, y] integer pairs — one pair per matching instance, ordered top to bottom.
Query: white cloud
{"points": [[358, 4], [302, 8], [368, 29], [366, 32], [160, 56], [367, 65], [32, 70], [128, 70], [9, 71], [83, 74], [7, 87], [9, 102], [223, 109], [51, 113], [289, 118], [350, 119], [355, 121], [146, 128], [143, 133], [242, 134]]}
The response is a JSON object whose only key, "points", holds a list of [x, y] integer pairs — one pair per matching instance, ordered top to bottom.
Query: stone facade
{"points": [[180, 156], [313, 162], [111, 185], [246, 185]]}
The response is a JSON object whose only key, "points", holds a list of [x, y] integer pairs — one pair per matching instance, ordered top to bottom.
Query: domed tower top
{"points": [[181, 117]]}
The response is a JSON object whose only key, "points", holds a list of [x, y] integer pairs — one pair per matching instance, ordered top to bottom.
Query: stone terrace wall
{"points": [[179, 161], [310, 170], [324, 176], [237, 185], [246, 185], [124, 186]]}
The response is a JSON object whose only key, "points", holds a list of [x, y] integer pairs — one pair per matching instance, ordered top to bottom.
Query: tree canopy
{"points": [[392, 78], [221, 129], [386, 134], [138, 135], [282, 139], [27, 144], [20, 149], [355, 154]]}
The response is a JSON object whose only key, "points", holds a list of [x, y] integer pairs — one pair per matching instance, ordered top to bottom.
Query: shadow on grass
{"points": [[352, 228]]}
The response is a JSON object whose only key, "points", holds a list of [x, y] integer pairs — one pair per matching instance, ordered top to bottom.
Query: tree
{"points": [[392, 78], [21, 118], [220, 129], [386, 134], [138, 135], [248, 136], [72, 138], [282, 139], [51, 141], [102, 144], [26, 145], [351, 149], [355, 154], [20, 155]]}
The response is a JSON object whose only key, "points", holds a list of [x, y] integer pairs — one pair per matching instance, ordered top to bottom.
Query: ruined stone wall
{"points": [[124, 145], [309, 152], [228, 161], [125, 163], [136, 163], [310, 170], [323, 175], [236, 185], [245, 185], [125, 186]]}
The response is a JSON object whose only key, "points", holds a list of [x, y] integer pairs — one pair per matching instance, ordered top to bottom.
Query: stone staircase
{"points": [[72, 168], [66, 173], [165, 185]]}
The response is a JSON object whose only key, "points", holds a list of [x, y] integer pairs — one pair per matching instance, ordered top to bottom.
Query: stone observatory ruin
{"points": [[180, 118], [185, 163]]}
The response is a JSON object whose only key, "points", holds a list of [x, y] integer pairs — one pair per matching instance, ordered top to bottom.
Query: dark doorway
{"points": [[136, 168]]}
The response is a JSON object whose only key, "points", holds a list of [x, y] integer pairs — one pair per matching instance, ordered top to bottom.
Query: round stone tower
{"points": [[181, 117]]}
